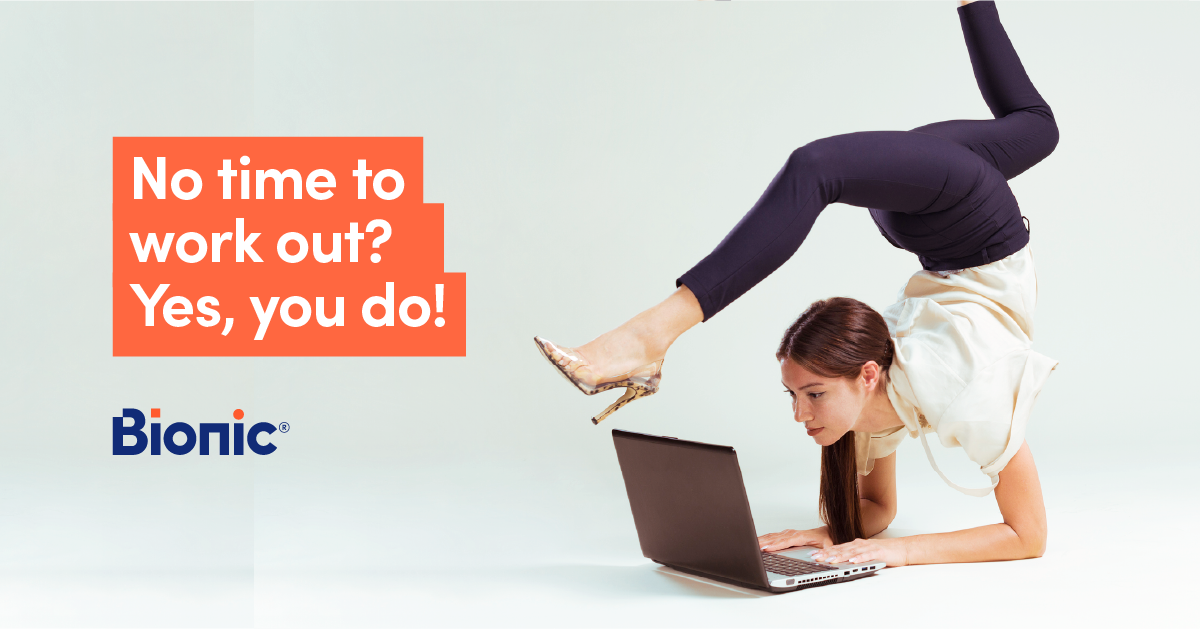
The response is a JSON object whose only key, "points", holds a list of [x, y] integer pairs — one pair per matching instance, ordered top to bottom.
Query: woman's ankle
{"points": [[645, 338], [617, 352]]}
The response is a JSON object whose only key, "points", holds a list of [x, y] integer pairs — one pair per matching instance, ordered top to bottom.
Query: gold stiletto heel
{"points": [[639, 383], [631, 394]]}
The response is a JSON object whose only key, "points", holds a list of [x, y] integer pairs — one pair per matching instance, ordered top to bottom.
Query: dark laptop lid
{"points": [[689, 505]]}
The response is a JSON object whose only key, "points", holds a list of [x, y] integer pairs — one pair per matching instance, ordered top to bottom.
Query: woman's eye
{"points": [[790, 392], [816, 395]]}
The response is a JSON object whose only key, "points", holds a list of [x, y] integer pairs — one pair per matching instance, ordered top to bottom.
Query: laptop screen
{"points": [[689, 505]]}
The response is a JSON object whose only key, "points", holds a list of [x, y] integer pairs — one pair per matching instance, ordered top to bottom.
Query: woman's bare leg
{"points": [[644, 338]]}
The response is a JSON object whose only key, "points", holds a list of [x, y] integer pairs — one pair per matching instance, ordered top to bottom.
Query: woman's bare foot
{"points": [[643, 339]]}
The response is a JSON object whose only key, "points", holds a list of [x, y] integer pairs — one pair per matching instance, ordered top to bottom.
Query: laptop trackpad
{"points": [[802, 552]]}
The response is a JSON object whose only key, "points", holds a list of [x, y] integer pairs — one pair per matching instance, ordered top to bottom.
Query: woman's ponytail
{"points": [[839, 490]]}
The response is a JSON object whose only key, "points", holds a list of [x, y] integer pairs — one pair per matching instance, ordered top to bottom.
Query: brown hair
{"points": [[834, 338]]}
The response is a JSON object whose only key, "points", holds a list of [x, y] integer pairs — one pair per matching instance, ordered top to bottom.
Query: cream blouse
{"points": [[963, 367]]}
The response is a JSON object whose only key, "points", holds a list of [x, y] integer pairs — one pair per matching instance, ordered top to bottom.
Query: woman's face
{"points": [[828, 407]]}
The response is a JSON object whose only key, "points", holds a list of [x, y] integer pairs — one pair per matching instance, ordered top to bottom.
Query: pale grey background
{"points": [[587, 155]]}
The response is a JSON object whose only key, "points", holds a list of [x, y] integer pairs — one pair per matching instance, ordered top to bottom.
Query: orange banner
{"points": [[279, 247]]}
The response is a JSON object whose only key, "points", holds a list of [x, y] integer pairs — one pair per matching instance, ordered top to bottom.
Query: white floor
{"points": [[1121, 554], [1060, 589]]}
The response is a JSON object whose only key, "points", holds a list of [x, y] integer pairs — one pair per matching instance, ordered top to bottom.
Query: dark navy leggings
{"points": [[940, 191]]}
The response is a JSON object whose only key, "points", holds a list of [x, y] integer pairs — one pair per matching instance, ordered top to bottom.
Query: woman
{"points": [[952, 356]]}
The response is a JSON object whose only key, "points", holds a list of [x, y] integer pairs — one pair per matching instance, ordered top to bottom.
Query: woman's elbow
{"points": [[886, 515], [1033, 543]]}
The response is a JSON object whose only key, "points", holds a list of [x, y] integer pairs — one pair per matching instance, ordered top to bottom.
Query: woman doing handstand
{"points": [[953, 356]]}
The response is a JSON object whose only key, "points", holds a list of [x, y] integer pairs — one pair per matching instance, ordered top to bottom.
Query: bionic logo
{"points": [[159, 438]]}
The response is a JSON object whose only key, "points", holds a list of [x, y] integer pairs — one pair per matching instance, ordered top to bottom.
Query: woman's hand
{"points": [[789, 538], [893, 552]]}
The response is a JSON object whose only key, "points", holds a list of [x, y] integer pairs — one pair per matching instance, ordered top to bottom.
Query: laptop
{"points": [[690, 509]]}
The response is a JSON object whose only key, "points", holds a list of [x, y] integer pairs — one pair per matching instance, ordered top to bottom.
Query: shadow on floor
{"points": [[646, 579]]}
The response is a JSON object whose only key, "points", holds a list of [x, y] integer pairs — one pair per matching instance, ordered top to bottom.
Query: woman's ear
{"points": [[871, 375]]}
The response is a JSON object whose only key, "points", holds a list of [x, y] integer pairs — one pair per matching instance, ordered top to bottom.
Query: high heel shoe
{"points": [[639, 383]]}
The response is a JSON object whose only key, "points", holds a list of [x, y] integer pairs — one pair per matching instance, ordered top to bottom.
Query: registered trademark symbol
{"points": [[284, 427]]}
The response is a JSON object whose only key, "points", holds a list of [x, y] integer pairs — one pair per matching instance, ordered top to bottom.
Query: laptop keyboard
{"points": [[789, 567]]}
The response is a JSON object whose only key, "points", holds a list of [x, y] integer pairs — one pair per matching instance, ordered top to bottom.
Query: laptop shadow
{"points": [[641, 580], [699, 586]]}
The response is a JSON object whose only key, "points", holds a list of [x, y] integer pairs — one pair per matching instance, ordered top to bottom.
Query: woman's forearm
{"points": [[1021, 536], [994, 542]]}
